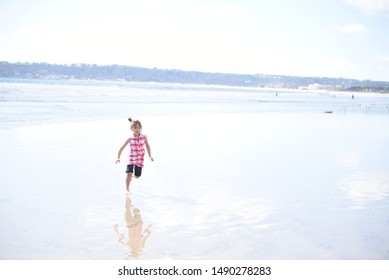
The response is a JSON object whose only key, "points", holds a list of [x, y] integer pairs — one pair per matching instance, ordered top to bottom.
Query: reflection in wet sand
{"points": [[365, 188], [137, 237]]}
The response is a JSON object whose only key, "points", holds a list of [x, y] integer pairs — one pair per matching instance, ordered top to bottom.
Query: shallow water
{"points": [[32, 102], [232, 184]]}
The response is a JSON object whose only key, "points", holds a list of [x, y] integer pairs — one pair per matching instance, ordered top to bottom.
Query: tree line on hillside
{"points": [[140, 74]]}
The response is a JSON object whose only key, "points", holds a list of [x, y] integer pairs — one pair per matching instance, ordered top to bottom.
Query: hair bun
{"points": [[130, 119]]}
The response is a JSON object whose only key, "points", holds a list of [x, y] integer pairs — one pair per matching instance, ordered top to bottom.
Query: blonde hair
{"points": [[135, 122]]}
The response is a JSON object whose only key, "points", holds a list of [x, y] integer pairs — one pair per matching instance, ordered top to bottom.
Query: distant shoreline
{"points": [[93, 72]]}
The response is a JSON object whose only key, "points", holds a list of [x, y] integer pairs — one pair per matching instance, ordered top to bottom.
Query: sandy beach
{"points": [[286, 184]]}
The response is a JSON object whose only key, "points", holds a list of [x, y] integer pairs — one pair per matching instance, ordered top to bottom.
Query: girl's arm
{"points": [[148, 148], [121, 150]]}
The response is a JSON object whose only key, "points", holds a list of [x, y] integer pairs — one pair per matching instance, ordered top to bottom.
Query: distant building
{"points": [[320, 87]]}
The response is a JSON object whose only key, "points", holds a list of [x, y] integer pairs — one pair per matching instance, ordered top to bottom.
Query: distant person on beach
{"points": [[137, 144]]}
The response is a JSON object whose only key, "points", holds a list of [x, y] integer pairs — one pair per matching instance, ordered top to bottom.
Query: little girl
{"points": [[137, 151]]}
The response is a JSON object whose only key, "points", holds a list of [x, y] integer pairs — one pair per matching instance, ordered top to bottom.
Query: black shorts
{"points": [[138, 170]]}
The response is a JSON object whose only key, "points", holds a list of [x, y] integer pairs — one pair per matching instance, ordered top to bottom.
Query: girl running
{"points": [[137, 144]]}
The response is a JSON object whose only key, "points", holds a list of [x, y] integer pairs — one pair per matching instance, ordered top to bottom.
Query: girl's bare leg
{"points": [[128, 181]]}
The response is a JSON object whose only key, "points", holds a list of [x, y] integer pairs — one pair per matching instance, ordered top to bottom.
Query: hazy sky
{"points": [[330, 38]]}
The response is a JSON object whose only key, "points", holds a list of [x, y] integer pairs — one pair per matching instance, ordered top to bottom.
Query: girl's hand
{"points": [[151, 158], [117, 161]]}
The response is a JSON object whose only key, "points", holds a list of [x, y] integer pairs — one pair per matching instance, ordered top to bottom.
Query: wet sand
{"points": [[284, 185]]}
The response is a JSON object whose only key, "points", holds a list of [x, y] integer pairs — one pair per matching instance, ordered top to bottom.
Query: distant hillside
{"points": [[139, 74]]}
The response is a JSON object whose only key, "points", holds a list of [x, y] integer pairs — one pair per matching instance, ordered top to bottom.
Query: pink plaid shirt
{"points": [[137, 150]]}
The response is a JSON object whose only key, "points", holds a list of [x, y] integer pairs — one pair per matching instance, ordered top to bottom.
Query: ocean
{"points": [[27, 102]]}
